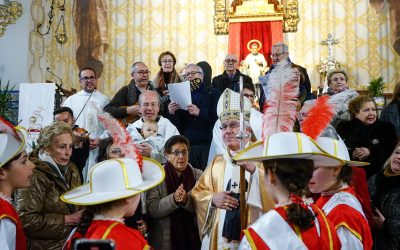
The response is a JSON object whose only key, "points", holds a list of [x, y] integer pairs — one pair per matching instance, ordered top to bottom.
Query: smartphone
{"points": [[89, 244]]}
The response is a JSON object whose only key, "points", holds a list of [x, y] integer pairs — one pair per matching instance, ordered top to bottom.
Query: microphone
{"points": [[56, 76]]}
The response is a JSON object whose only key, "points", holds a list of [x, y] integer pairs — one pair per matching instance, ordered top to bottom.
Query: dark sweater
{"points": [[221, 82], [127, 96], [380, 138]]}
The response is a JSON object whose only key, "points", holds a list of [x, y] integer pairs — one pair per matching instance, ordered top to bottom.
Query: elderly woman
{"points": [[167, 74], [367, 138], [385, 193], [170, 206], [47, 220]]}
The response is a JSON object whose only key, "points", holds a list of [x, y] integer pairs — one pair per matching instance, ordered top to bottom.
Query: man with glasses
{"points": [[280, 52], [230, 77], [85, 105], [124, 105], [149, 107], [197, 120], [216, 193]]}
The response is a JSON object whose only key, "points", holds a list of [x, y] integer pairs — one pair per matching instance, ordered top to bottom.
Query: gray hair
{"points": [[285, 48], [195, 65], [133, 67], [149, 92]]}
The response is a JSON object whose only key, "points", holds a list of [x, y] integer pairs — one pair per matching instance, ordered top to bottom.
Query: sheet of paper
{"points": [[180, 93]]}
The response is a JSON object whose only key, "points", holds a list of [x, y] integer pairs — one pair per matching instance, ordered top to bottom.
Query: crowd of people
{"points": [[138, 169]]}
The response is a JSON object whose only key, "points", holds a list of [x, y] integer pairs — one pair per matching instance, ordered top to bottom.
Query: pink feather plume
{"points": [[282, 100], [318, 118], [7, 127], [121, 137]]}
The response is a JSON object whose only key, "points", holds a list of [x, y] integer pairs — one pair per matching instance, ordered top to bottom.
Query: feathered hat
{"points": [[317, 125], [12, 141], [279, 142], [117, 178]]}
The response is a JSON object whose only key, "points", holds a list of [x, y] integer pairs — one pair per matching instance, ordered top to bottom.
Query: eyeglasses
{"points": [[277, 55], [167, 61], [230, 61], [143, 72], [193, 73], [87, 79], [249, 96], [146, 104], [231, 125], [116, 151], [180, 153]]}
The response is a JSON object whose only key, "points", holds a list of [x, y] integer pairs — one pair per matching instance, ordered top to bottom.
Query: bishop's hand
{"points": [[224, 201]]}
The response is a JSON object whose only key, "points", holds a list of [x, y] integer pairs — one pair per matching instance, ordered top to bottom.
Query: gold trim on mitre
{"points": [[231, 99]]}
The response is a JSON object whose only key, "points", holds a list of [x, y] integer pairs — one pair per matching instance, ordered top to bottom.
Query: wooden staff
{"points": [[242, 136]]}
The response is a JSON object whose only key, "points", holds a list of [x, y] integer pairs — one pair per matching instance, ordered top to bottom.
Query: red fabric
{"points": [[267, 32], [360, 185], [8, 211], [350, 216], [123, 236], [310, 236], [258, 241]]}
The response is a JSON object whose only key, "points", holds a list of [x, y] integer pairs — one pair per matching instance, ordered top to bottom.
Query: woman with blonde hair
{"points": [[47, 220]]}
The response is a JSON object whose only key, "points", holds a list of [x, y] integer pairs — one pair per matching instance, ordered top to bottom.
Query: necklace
{"points": [[6, 198], [103, 217]]}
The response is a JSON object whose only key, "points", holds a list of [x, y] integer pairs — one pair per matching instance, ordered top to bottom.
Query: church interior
{"points": [[62, 36]]}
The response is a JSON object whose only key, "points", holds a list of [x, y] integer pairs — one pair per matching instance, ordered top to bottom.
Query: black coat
{"points": [[221, 82], [380, 138], [385, 195]]}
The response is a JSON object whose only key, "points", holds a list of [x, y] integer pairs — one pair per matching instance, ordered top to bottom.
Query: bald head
{"points": [[231, 63]]}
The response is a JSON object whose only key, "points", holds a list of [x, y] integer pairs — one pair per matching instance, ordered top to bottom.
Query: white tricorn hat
{"points": [[229, 106], [11, 144], [287, 145], [338, 149], [115, 179]]}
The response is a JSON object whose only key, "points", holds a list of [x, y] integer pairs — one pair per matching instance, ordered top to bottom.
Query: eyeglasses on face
{"points": [[277, 55], [167, 61], [230, 61], [143, 72], [193, 73], [86, 79], [250, 96], [146, 104], [231, 125], [116, 151], [178, 153]]}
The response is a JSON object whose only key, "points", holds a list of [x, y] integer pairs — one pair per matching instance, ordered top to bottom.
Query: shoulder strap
{"points": [[108, 230]]}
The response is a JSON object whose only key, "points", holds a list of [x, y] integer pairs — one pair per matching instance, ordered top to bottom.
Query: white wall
{"points": [[14, 50]]}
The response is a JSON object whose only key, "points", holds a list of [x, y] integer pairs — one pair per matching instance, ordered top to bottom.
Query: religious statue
{"points": [[255, 60]]}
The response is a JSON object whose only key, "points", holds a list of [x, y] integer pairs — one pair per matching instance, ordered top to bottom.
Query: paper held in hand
{"points": [[180, 93]]}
